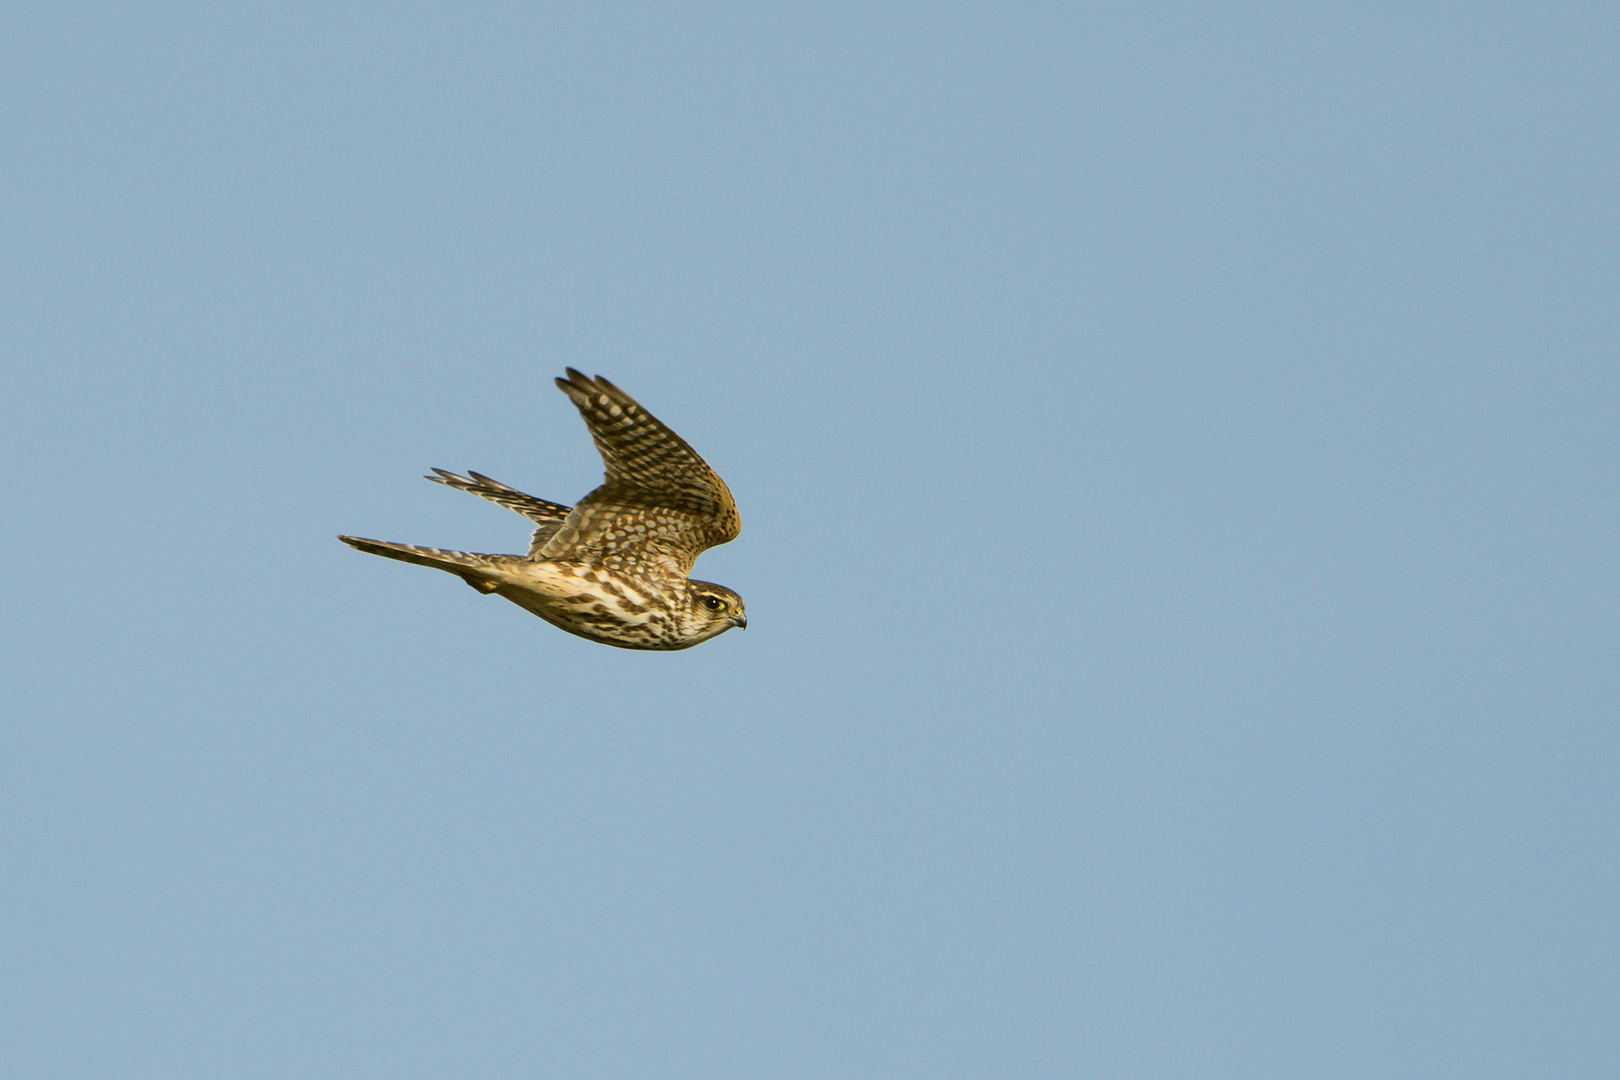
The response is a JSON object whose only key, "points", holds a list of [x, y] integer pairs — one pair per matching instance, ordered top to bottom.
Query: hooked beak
{"points": [[740, 621]]}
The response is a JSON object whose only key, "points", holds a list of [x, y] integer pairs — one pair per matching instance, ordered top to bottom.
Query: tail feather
{"points": [[482, 572]]}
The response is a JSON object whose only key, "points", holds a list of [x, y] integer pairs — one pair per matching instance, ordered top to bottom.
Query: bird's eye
{"points": [[713, 603]]}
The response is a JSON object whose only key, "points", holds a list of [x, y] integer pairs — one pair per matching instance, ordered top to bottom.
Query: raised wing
{"points": [[660, 502], [547, 515]]}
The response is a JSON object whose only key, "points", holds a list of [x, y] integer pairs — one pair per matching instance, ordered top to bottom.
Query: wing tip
{"points": [[577, 383]]}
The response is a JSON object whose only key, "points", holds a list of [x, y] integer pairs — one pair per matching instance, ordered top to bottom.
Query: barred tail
{"points": [[480, 571]]}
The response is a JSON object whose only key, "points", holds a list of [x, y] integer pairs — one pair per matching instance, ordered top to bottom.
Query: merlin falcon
{"points": [[613, 568]]}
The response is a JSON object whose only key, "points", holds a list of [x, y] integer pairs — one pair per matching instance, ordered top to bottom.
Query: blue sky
{"points": [[1177, 457]]}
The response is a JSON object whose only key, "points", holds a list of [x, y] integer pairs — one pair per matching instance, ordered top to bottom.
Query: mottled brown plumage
{"points": [[614, 567]]}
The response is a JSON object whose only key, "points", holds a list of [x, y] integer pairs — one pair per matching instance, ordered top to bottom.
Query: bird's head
{"points": [[712, 609]]}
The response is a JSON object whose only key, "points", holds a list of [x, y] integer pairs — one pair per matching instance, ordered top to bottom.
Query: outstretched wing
{"points": [[659, 504], [548, 515]]}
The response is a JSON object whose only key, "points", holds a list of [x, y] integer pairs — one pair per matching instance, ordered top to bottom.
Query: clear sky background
{"points": [[1177, 451]]}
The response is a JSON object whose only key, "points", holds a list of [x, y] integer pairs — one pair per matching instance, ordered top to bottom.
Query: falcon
{"points": [[614, 567]]}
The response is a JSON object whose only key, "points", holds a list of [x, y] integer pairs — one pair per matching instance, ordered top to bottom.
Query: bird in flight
{"points": [[613, 568]]}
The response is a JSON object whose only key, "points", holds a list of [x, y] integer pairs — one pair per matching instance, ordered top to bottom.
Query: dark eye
{"points": [[713, 603]]}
